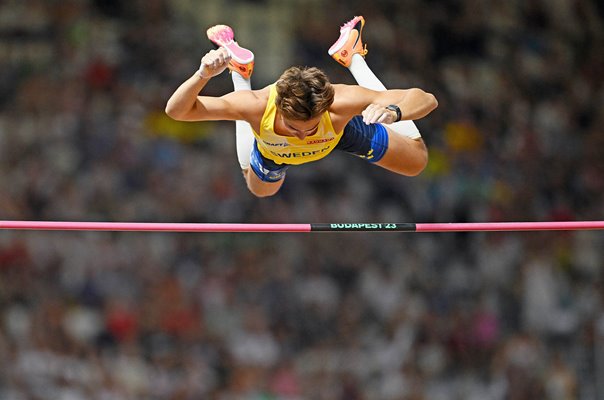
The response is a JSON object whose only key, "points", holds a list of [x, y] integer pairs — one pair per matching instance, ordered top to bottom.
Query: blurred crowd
{"points": [[117, 316]]}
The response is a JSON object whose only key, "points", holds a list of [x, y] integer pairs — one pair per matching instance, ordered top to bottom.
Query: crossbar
{"points": [[312, 227]]}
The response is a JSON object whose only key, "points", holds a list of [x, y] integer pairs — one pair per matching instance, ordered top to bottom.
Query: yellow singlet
{"points": [[289, 149]]}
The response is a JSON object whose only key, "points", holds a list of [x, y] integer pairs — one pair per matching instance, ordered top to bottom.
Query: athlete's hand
{"points": [[214, 62], [377, 114]]}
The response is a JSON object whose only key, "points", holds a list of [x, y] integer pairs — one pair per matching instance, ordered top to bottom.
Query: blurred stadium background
{"points": [[518, 137]]}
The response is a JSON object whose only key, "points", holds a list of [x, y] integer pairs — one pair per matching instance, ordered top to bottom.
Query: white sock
{"points": [[367, 79], [244, 137]]}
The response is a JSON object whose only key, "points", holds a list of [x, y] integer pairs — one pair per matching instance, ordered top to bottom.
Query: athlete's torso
{"points": [[290, 149]]}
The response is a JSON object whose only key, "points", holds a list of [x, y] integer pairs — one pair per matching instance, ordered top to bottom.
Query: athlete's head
{"points": [[303, 93]]}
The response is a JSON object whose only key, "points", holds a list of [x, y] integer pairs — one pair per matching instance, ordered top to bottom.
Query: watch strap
{"points": [[397, 110]]}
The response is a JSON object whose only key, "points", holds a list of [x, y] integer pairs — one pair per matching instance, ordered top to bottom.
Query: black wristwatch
{"points": [[397, 110]]}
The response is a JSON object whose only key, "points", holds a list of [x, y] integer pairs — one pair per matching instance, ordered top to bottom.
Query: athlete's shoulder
{"points": [[344, 90], [262, 94], [350, 96], [248, 98]]}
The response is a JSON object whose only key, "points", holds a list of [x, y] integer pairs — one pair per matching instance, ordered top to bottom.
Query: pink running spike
{"points": [[345, 33], [223, 36], [349, 43]]}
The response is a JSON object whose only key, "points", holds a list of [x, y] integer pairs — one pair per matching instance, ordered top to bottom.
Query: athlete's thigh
{"points": [[382, 146], [404, 155]]}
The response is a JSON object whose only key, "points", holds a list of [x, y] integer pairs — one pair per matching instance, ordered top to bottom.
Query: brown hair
{"points": [[303, 93]]}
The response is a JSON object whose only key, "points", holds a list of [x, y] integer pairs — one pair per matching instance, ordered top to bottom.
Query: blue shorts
{"points": [[366, 141], [265, 169]]}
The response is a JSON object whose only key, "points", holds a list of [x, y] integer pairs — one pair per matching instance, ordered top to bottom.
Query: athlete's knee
{"points": [[407, 157], [418, 163], [416, 169], [260, 188], [260, 193]]}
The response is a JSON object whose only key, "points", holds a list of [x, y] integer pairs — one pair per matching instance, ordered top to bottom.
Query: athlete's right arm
{"points": [[185, 104]]}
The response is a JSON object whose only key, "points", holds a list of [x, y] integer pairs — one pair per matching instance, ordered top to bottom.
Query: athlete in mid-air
{"points": [[302, 117]]}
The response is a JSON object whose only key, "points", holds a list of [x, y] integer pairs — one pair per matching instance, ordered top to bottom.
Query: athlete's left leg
{"points": [[350, 52], [381, 146], [399, 146], [404, 155]]}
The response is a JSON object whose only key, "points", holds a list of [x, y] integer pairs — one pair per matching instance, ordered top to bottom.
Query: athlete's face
{"points": [[301, 129]]}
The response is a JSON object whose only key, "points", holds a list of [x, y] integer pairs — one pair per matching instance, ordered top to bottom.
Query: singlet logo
{"points": [[320, 140], [283, 144]]}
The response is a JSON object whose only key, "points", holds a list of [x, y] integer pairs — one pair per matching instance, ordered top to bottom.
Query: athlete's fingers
{"points": [[222, 56], [217, 58], [214, 62], [375, 113], [368, 114], [382, 118]]}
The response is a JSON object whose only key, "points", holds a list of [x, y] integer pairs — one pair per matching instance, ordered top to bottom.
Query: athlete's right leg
{"points": [[350, 52], [241, 67], [264, 177], [258, 187]]}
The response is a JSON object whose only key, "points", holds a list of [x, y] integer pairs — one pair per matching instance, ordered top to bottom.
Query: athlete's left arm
{"points": [[354, 100]]}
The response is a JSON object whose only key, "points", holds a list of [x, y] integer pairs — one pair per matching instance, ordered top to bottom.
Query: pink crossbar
{"points": [[151, 226], [510, 226], [314, 227]]}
